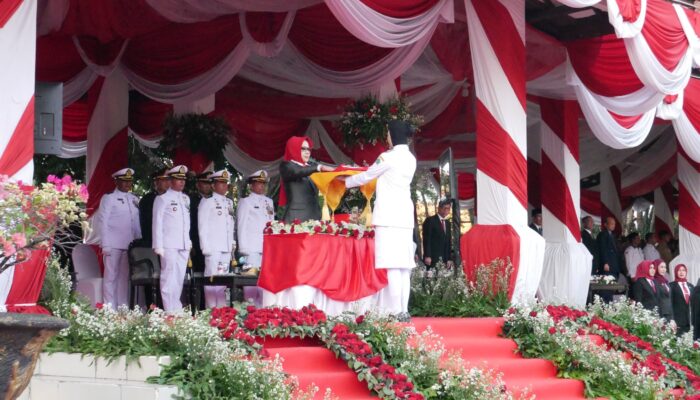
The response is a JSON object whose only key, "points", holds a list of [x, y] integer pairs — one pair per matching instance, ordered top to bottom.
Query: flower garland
{"points": [[363, 122], [315, 227], [346, 338], [640, 354], [606, 372]]}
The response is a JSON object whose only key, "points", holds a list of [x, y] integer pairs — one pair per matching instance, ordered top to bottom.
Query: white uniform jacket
{"points": [[394, 171], [254, 212], [117, 220], [171, 221], [215, 222]]}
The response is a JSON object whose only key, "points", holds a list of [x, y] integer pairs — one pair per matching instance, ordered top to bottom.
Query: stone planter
{"points": [[22, 336]]}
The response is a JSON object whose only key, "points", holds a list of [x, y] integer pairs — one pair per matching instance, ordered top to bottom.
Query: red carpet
{"points": [[477, 338], [479, 341], [313, 364]]}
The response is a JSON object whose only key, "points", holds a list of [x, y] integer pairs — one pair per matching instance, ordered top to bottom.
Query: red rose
{"points": [[393, 109], [296, 221], [269, 223], [318, 229], [329, 229], [267, 231], [283, 231], [99, 306], [533, 313], [360, 319], [552, 330]]}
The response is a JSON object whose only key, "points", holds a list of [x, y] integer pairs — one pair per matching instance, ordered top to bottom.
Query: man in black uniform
{"points": [[161, 183], [204, 190]]}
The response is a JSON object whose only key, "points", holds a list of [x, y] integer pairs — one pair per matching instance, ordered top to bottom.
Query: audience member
{"points": [[536, 224], [437, 236], [650, 252], [633, 253], [644, 288], [663, 290], [680, 299]]}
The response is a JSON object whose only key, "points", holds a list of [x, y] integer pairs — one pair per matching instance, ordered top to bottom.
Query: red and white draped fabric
{"points": [[496, 37], [17, 47], [17, 50], [534, 156], [610, 196], [590, 205], [664, 206], [688, 216], [567, 262]]}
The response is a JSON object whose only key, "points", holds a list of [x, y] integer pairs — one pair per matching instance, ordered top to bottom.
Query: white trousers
{"points": [[173, 266], [115, 285], [215, 296], [393, 299]]}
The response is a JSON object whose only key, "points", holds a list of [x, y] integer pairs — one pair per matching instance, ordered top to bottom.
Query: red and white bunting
{"points": [[18, 47], [610, 201], [664, 208], [688, 216]]}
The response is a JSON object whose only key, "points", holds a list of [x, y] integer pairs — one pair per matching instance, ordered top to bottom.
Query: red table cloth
{"points": [[341, 267], [27, 281]]}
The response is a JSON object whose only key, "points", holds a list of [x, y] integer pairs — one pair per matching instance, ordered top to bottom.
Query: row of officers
{"points": [[179, 227]]}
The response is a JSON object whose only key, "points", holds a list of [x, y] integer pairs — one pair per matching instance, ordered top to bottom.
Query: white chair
{"points": [[87, 273]]}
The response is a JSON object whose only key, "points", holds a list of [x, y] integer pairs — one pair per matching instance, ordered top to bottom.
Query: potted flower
{"points": [[363, 124], [194, 140], [29, 219]]}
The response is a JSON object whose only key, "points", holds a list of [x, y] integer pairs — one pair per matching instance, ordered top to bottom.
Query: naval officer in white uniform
{"points": [[254, 212], [393, 217], [215, 220], [117, 225], [171, 238]]}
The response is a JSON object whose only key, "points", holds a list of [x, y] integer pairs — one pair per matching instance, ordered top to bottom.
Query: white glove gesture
{"points": [[159, 251]]}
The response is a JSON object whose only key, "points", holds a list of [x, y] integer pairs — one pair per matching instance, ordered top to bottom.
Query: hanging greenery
{"points": [[198, 133]]}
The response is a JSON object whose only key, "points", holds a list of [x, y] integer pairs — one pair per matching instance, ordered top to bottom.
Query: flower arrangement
{"points": [[363, 122], [30, 216], [315, 227], [603, 279], [445, 292]]}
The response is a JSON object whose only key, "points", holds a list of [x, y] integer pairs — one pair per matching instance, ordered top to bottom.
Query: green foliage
{"points": [[199, 133], [46, 164], [444, 292], [56, 293]]}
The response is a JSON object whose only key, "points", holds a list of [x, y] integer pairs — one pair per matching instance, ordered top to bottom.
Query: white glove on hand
{"points": [[106, 251], [159, 251]]}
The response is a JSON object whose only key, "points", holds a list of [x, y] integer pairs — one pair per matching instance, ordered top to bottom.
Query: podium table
{"points": [[336, 273]]}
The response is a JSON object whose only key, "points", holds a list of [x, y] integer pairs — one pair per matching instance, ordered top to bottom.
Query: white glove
{"points": [[106, 251], [159, 251]]}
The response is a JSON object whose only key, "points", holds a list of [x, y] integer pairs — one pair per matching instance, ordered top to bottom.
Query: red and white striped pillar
{"points": [[497, 43], [17, 64], [107, 136], [610, 197], [663, 208], [688, 216], [567, 262]]}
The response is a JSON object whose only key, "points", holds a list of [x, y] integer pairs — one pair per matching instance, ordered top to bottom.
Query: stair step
{"points": [[460, 327], [482, 347], [309, 359], [516, 368], [343, 384], [548, 388]]}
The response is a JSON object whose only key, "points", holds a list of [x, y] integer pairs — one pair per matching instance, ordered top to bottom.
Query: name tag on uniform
{"points": [[122, 200], [256, 207]]}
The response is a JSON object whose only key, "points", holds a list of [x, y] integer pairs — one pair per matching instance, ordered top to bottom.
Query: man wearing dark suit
{"points": [[161, 184], [204, 190], [536, 224], [437, 236], [588, 241], [608, 263]]}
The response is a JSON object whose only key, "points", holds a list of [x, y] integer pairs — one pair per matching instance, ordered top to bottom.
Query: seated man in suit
{"points": [[437, 236]]}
